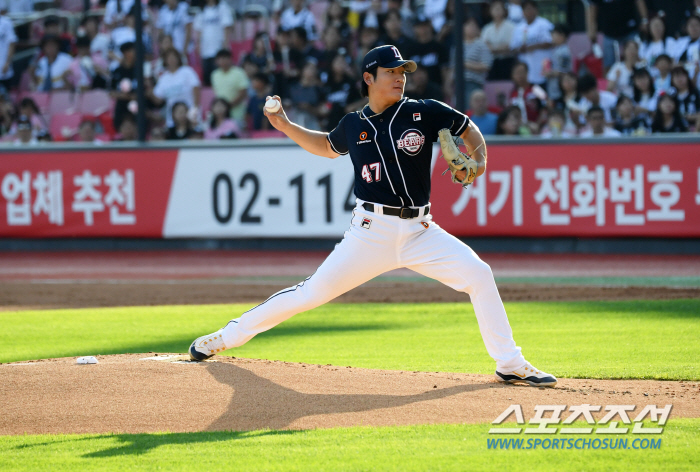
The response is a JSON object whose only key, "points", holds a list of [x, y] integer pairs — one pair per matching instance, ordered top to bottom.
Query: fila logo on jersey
{"points": [[416, 117], [363, 138], [411, 142], [366, 222]]}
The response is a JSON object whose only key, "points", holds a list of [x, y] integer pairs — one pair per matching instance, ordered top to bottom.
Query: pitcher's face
{"points": [[389, 82]]}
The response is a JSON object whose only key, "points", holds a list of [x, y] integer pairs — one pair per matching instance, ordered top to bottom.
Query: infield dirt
{"points": [[125, 393]]}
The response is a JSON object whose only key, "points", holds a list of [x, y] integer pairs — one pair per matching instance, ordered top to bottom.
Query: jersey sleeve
{"points": [[441, 115], [338, 137]]}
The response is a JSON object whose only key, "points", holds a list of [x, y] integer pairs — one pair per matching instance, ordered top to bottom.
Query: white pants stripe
{"points": [[390, 243]]}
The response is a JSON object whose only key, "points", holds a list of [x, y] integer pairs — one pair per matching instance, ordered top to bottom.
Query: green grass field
{"points": [[639, 339], [405, 448]]}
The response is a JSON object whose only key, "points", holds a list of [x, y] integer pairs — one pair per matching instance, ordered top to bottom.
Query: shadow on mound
{"points": [[281, 406], [261, 407]]}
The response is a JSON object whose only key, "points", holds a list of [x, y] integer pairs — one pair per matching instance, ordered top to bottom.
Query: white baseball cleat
{"points": [[205, 347], [529, 375]]}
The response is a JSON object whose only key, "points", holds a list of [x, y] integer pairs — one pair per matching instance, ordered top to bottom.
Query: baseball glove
{"points": [[456, 159]]}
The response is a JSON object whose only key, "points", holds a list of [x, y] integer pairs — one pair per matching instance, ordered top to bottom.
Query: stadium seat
{"points": [[240, 49], [494, 88], [61, 102], [95, 102], [104, 123], [64, 126]]}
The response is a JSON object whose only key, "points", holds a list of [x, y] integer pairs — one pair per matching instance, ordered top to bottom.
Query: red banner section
{"points": [[529, 190], [576, 190], [85, 193]]}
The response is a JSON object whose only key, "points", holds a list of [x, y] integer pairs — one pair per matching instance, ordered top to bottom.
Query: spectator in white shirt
{"points": [[17, 6], [116, 10], [435, 11], [515, 11], [298, 15], [175, 20], [214, 25], [126, 33], [497, 36], [532, 39], [8, 40], [99, 42], [658, 43], [688, 47], [53, 68], [662, 73], [620, 74], [179, 83], [645, 95], [592, 97], [597, 127], [24, 132]]}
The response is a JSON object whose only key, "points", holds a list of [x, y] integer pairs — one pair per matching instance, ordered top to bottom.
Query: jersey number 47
{"points": [[367, 172]]}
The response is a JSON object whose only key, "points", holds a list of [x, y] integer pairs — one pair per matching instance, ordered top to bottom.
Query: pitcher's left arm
{"points": [[476, 147]]}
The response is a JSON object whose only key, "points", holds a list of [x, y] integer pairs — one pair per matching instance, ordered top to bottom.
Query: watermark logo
{"points": [[549, 419]]}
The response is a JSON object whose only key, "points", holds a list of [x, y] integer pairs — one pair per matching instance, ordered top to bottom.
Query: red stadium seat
{"points": [[240, 48], [494, 88], [62, 102], [95, 102], [104, 121], [64, 126]]}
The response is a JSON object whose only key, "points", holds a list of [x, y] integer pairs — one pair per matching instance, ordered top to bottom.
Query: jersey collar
{"points": [[368, 113]]}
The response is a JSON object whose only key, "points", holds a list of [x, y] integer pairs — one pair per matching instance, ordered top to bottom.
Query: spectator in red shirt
{"points": [[529, 98]]}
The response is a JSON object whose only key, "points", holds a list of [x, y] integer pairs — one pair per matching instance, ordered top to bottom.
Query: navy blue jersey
{"points": [[391, 152]]}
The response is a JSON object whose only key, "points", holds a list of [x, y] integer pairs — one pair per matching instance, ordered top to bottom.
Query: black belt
{"points": [[403, 213]]}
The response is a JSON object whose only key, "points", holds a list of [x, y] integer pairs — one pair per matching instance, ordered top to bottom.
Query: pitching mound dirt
{"points": [[126, 393]]}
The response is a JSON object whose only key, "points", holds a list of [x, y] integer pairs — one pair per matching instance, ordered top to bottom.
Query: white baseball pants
{"points": [[386, 243]]}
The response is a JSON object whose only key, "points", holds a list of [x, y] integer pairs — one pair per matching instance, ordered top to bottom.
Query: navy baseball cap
{"points": [[388, 57]]}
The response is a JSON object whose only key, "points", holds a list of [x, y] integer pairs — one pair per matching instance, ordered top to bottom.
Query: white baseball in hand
{"points": [[272, 106]]}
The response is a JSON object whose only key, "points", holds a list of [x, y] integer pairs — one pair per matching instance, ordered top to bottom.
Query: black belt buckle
{"points": [[408, 215]]}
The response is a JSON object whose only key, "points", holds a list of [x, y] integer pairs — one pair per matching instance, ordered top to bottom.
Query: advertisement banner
{"points": [[591, 189], [576, 190], [85, 193], [227, 193]]}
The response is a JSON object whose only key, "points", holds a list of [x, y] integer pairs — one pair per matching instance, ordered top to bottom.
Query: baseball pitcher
{"points": [[390, 144]]}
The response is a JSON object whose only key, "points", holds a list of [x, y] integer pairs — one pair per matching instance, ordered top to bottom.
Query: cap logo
{"points": [[396, 52], [367, 66]]}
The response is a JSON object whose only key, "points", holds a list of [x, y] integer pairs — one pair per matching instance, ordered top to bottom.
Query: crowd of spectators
{"points": [[641, 75]]}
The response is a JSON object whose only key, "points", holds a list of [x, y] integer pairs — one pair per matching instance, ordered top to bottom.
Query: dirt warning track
{"points": [[125, 393]]}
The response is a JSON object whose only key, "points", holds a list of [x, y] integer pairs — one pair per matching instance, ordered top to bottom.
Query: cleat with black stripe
{"points": [[205, 347], [529, 375]]}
